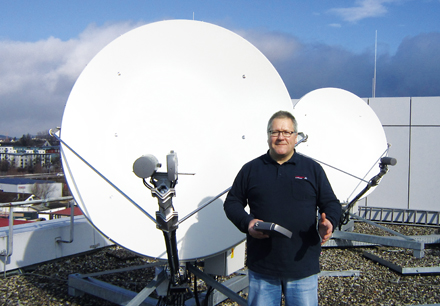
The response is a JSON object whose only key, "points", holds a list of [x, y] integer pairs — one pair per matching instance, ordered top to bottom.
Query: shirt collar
{"points": [[269, 160]]}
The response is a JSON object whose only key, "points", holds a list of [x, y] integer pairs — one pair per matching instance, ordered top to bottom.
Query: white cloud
{"points": [[363, 9], [275, 46], [308, 66], [36, 77]]}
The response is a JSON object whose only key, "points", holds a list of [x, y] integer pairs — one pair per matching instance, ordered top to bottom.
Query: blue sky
{"points": [[351, 24], [44, 45]]}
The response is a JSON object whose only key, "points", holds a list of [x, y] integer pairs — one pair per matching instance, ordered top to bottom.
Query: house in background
{"points": [[24, 157]]}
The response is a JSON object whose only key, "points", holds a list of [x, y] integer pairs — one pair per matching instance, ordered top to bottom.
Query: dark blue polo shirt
{"points": [[289, 195]]}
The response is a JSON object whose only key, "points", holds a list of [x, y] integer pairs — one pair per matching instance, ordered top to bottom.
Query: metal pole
{"points": [[375, 61], [31, 202], [72, 219], [10, 238]]}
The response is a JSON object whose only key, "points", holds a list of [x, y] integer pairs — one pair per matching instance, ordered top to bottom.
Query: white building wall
{"points": [[394, 114], [412, 126]]}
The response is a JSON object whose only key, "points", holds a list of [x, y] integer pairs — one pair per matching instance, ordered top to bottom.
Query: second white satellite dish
{"points": [[187, 86], [344, 135]]}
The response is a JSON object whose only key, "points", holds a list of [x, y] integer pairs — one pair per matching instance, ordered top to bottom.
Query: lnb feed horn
{"points": [[145, 166]]}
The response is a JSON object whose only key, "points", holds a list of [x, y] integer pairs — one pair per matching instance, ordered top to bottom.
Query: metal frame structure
{"points": [[400, 216], [398, 240], [400, 269], [87, 283]]}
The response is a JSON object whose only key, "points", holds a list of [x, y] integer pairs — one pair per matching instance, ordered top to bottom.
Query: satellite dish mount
{"points": [[162, 186]]}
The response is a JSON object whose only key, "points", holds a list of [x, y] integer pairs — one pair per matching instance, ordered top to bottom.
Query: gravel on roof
{"points": [[46, 283]]}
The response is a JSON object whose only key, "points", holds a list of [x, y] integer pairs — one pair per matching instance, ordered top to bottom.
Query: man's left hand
{"points": [[325, 229]]}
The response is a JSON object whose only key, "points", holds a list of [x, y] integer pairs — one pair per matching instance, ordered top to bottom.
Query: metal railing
{"points": [[400, 216], [7, 253]]}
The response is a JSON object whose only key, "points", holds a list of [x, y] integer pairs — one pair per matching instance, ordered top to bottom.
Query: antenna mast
{"points": [[375, 61]]}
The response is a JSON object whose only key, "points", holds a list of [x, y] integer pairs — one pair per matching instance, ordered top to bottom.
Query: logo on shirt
{"points": [[301, 177]]}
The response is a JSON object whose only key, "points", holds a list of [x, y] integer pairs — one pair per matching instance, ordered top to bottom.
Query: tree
{"points": [[43, 135], [26, 141], [56, 162], [4, 166], [13, 169], [42, 190]]}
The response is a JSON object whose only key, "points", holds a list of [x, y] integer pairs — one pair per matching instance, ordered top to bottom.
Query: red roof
{"points": [[66, 212], [5, 222]]}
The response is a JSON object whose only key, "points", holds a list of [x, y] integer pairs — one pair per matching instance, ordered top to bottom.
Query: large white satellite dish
{"points": [[187, 86], [344, 135]]}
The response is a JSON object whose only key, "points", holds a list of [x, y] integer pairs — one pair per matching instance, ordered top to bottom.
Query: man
{"points": [[285, 188]]}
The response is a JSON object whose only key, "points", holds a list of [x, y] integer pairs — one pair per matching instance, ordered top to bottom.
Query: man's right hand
{"points": [[254, 233]]}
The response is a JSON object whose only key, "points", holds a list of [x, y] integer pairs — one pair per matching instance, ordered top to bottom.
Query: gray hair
{"points": [[282, 114]]}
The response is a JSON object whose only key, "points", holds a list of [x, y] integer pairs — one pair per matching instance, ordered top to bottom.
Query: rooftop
{"points": [[22, 181]]}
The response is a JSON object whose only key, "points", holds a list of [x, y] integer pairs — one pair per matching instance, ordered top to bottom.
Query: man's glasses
{"points": [[286, 134]]}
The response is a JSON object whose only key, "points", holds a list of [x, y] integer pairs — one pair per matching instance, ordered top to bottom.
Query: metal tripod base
{"points": [[398, 240], [240, 283], [80, 284]]}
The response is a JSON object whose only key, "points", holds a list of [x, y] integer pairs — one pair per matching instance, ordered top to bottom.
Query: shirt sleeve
{"points": [[236, 201], [327, 202]]}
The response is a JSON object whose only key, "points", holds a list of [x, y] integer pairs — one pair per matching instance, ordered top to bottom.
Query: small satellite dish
{"points": [[184, 86], [344, 135]]}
